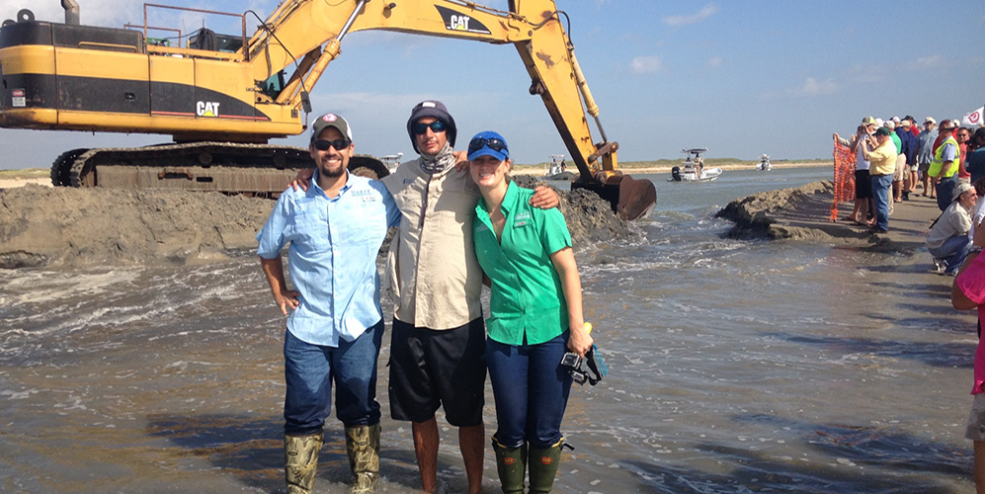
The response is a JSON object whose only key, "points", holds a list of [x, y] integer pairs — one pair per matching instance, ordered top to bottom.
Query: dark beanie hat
{"points": [[431, 108]]}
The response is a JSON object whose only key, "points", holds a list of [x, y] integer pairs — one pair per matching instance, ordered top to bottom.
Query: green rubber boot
{"points": [[363, 445], [301, 462], [512, 466], [543, 467]]}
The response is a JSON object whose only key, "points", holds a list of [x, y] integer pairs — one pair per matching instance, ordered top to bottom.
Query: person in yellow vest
{"points": [[944, 168]]}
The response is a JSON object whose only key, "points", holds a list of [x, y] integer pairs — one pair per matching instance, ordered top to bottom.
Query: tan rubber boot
{"points": [[363, 445], [301, 462]]}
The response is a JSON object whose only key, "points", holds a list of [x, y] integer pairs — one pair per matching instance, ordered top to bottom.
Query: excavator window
{"points": [[207, 39], [273, 85]]}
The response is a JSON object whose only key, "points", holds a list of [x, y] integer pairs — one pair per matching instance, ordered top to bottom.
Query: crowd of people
{"points": [[896, 160], [461, 222]]}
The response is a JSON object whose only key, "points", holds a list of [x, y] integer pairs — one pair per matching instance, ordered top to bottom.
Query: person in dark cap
{"points": [[976, 155], [335, 323], [438, 339]]}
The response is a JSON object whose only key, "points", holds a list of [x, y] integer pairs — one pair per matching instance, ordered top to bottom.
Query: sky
{"points": [[739, 78]]}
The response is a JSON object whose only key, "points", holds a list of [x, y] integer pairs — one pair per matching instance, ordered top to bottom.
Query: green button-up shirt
{"points": [[527, 299]]}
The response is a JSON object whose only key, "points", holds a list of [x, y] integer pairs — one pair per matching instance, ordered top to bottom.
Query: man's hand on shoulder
{"points": [[461, 160], [303, 180], [544, 198]]}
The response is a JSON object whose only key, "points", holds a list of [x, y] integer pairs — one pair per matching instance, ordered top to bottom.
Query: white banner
{"points": [[973, 119]]}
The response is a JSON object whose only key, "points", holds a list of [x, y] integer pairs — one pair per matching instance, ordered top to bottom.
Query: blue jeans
{"points": [[945, 189], [880, 199], [953, 252], [309, 371], [531, 390]]}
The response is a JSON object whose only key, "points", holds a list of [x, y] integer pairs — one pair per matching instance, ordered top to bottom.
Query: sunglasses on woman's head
{"points": [[437, 126], [480, 142], [338, 144]]}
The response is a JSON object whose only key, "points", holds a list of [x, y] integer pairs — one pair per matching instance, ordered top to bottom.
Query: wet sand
{"points": [[804, 214]]}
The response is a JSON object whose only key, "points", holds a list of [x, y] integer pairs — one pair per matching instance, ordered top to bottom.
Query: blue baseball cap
{"points": [[488, 143]]}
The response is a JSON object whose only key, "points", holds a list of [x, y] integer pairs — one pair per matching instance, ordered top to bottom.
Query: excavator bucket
{"points": [[636, 197], [630, 198]]}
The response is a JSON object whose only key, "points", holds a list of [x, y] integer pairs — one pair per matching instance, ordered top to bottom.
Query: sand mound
{"points": [[804, 214], [42, 226]]}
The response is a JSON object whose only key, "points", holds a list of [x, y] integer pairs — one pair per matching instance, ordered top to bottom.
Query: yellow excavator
{"points": [[223, 97]]}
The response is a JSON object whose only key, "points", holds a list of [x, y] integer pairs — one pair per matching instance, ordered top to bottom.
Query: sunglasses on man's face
{"points": [[420, 128], [338, 144], [495, 144]]}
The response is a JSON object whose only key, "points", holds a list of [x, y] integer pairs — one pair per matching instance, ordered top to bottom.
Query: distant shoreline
{"points": [[538, 170], [39, 176]]}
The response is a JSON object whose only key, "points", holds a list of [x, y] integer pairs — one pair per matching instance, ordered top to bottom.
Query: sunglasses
{"points": [[421, 128], [493, 143], [338, 144]]}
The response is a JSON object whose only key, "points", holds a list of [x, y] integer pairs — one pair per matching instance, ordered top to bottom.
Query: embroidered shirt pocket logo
{"points": [[521, 218]]}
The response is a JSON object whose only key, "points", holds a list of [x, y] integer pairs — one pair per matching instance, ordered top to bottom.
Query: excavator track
{"points": [[63, 165], [251, 169]]}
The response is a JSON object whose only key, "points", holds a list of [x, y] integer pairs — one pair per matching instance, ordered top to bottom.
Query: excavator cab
{"points": [[209, 40]]}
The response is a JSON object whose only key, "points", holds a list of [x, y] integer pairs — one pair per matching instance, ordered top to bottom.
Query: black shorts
{"points": [[863, 184], [431, 368]]}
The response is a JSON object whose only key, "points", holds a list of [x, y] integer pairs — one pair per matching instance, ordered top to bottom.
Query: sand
{"points": [[20, 182], [802, 214], [45, 226], [62, 226]]}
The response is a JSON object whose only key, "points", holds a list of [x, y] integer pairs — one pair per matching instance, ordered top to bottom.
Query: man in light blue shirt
{"points": [[334, 331]]}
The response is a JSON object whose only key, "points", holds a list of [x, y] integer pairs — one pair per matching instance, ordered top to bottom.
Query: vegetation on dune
{"points": [[25, 173]]}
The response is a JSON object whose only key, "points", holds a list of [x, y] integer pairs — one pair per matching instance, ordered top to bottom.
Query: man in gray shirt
{"points": [[925, 154]]}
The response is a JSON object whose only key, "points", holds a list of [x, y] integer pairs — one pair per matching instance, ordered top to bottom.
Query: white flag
{"points": [[973, 119]]}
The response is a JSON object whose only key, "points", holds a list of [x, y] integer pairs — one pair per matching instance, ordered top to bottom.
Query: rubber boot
{"points": [[363, 445], [301, 462], [512, 466], [543, 467]]}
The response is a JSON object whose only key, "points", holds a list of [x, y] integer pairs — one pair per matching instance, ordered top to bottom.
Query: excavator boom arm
{"points": [[532, 26]]}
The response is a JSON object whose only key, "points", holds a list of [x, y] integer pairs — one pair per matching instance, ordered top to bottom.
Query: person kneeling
{"points": [[948, 241]]}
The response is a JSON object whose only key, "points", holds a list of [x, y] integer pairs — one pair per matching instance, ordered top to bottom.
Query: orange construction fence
{"points": [[844, 178]]}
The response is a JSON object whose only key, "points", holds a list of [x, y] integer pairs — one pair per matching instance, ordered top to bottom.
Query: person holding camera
{"points": [[535, 317]]}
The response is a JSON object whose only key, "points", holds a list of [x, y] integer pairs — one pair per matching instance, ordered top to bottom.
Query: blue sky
{"points": [[740, 78]]}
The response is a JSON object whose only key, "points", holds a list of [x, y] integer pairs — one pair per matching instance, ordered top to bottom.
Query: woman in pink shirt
{"points": [[968, 292]]}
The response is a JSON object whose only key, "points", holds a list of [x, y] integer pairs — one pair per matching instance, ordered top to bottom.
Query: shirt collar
{"points": [[317, 188], [509, 200]]}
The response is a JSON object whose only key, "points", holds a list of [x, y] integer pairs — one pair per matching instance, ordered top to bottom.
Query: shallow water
{"points": [[734, 367]]}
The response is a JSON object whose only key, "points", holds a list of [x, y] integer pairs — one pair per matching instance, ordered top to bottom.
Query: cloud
{"points": [[107, 13], [684, 20], [715, 62], [921, 63], [646, 65], [868, 74], [810, 88], [813, 88]]}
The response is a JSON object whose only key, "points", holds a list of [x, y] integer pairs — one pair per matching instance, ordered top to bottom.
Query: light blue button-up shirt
{"points": [[332, 258]]}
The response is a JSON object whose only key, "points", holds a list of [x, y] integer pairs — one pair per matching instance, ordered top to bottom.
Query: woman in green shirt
{"points": [[535, 317]]}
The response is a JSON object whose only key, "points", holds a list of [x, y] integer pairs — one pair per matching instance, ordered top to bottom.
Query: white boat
{"points": [[391, 161], [764, 163], [693, 168], [558, 169]]}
